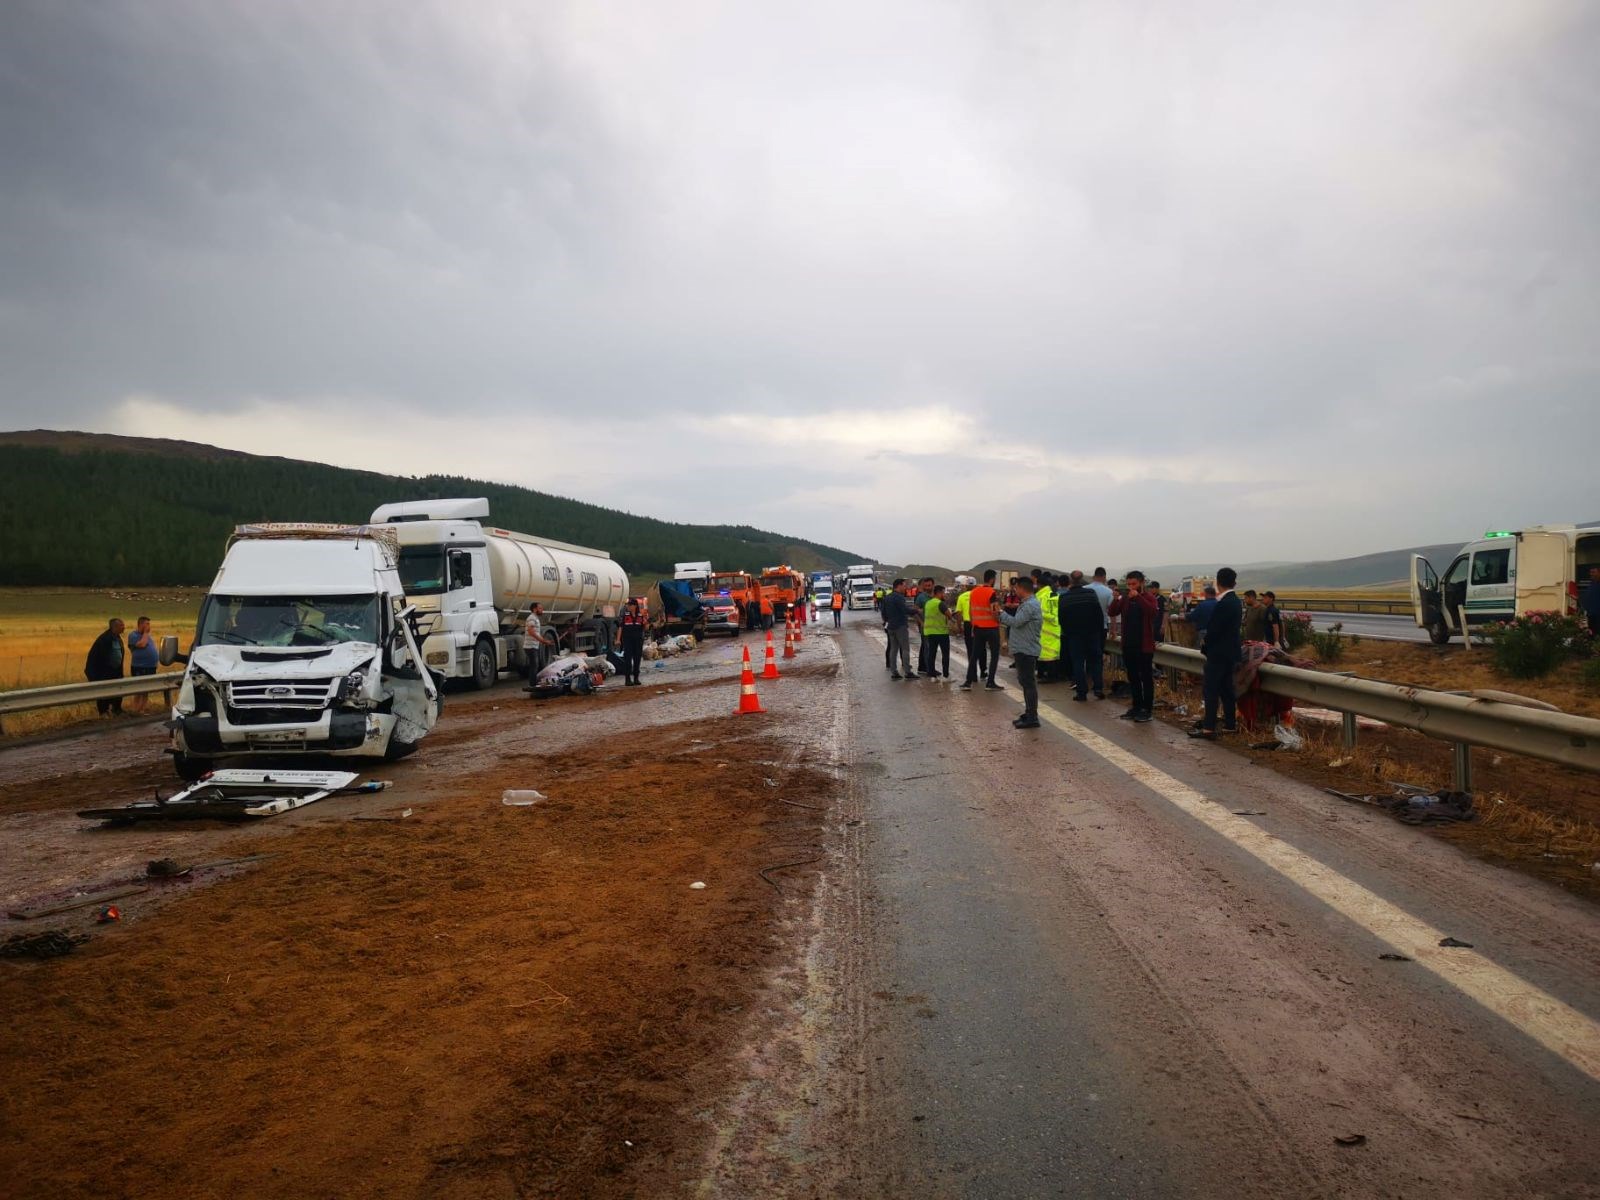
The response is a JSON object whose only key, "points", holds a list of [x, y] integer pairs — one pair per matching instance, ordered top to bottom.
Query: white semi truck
{"points": [[862, 581], [473, 586], [304, 645]]}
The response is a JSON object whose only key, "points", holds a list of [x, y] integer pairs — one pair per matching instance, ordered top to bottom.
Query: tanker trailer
{"points": [[473, 586]]}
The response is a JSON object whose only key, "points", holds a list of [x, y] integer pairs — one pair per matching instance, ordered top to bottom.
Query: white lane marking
{"points": [[1555, 1025]]}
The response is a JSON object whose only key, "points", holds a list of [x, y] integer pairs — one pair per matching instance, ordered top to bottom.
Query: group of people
{"points": [[1056, 626], [112, 656]]}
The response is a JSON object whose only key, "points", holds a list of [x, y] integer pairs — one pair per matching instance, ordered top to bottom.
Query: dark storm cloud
{"points": [[1306, 262]]}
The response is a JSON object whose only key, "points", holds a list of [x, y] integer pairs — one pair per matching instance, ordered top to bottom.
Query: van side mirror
{"points": [[169, 650]]}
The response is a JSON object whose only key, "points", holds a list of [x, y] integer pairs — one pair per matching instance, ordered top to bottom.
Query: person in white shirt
{"points": [[533, 646]]}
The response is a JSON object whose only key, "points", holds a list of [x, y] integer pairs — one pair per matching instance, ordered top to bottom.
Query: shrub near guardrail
{"points": [[1297, 629], [1536, 643]]}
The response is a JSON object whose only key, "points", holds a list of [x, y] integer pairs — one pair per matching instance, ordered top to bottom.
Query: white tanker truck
{"points": [[473, 587]]}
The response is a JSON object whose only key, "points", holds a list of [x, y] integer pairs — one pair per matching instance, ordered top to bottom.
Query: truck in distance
{"points": [[696, 574], [862, 581], [473, 586], [783, 586], [821, 590], [304, 645]]}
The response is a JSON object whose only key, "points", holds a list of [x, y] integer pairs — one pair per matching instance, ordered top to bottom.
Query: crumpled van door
{"points": [[1543, 569]]}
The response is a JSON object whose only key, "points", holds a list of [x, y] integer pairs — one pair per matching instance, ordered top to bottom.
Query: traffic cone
{"points": [[799, 631], [788, 641], [770, 669], [749, 702]]}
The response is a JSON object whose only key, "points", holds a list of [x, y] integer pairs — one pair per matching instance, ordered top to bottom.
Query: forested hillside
{"points": [[79, 509]]}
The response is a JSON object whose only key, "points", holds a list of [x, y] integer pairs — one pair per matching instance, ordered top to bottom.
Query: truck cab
{"points": [[1501, 575], [861, 584], [304, 645]]}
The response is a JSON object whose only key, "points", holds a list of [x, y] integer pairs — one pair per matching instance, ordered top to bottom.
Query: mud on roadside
{"points": [[479, 1000]]}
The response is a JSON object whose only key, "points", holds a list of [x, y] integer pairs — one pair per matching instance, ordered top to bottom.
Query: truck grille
{"points": [[280, 694]]}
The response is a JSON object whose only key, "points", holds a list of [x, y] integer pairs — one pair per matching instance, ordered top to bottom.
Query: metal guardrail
{"points": [[1400, 606], [24, 700], [1465, 721]]}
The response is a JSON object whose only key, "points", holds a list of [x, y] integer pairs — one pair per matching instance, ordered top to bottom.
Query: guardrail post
{"points": [[1348, 725], [1463, 762]]}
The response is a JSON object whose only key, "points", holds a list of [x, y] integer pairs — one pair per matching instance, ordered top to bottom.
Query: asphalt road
{"points": [[1386, 628], [1100, 959]]}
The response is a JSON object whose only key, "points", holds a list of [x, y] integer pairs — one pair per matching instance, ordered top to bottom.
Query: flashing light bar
{"points": [[1493, 533]]}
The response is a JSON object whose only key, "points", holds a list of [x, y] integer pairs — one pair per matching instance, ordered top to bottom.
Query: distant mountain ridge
{"points": [[98, 510]]}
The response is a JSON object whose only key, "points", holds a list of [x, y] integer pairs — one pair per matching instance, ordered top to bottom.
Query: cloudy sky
{"points": [[933, 281]]}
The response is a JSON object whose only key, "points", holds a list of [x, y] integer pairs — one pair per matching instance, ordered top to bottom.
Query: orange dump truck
{"points": [[784, 586]]}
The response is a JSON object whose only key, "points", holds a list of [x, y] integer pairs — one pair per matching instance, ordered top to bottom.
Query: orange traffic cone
{"points": [[799, 630], [788, 641], [770, 669], [749, 702]]}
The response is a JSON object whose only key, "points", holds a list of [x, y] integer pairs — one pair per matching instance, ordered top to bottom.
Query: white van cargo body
{"points": [[1501, 575], [473, 587], [303, 646]]}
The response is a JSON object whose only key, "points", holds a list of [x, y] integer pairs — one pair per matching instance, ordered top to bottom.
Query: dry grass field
{"points": [[45, 634]]}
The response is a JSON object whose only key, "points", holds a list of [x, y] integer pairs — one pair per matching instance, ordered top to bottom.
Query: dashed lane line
{"points": [[1555, 1025]]}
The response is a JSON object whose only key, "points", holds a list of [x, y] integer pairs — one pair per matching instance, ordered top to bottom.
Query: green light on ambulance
{"points": [[1499, 533]]}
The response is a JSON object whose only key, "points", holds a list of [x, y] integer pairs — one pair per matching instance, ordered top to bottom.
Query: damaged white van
{"points": [[1504, 573], [304, 645]]}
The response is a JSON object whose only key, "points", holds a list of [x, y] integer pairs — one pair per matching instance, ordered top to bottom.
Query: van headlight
{"points": [[351, 685]]}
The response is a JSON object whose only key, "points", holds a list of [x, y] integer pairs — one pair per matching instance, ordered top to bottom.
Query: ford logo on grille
{"points": [[280, 690]]}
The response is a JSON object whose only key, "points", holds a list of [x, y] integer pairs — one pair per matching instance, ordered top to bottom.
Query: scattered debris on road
{"points": [[239, 793], [1415, 806], [1450, 941], [53, 944]]}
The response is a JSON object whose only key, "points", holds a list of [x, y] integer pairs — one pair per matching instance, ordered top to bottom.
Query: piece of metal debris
{"points": [[1450, 941]]}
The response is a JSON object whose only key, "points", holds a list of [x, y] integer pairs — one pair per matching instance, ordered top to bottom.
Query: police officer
{"points": [[632, 638]]}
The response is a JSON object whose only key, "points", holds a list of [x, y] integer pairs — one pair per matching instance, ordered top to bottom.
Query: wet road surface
{"points": [[1098, 959]]}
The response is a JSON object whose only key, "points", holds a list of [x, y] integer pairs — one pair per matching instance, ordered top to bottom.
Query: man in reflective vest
{"points": [[964, 612], [936, 631], [1050, 631], [984, 658]]}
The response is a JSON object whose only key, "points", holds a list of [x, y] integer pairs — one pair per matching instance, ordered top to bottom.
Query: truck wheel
{"points": [[1439, 632], [485, 670], [189, 769]]}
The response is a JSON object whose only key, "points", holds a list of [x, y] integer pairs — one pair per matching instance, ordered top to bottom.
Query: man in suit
{"points": [[1223, 649]]}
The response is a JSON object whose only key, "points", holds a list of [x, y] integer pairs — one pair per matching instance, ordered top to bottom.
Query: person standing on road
{"points": [[1102, 593], [1591, 601], [838, 609], [1138, 611], [936, 614], [1272, 621], [897, 623], [1082, 625], [1025, 626], [632, 636], [533, 641], [1223, 650], [984, 656], [105, 662]]}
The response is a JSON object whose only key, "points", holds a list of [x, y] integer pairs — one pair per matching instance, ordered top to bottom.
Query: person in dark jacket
{"points": [[1138, 611], [1200, 616], [897, 618], [1083, 629], [1223, 649], [105, 662]]}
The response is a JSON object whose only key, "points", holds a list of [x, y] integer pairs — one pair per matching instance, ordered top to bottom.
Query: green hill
{"points": [[97, 510]]}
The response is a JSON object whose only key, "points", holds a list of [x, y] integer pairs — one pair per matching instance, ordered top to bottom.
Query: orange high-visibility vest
{"points": [[982, 598], [838, 600]]}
